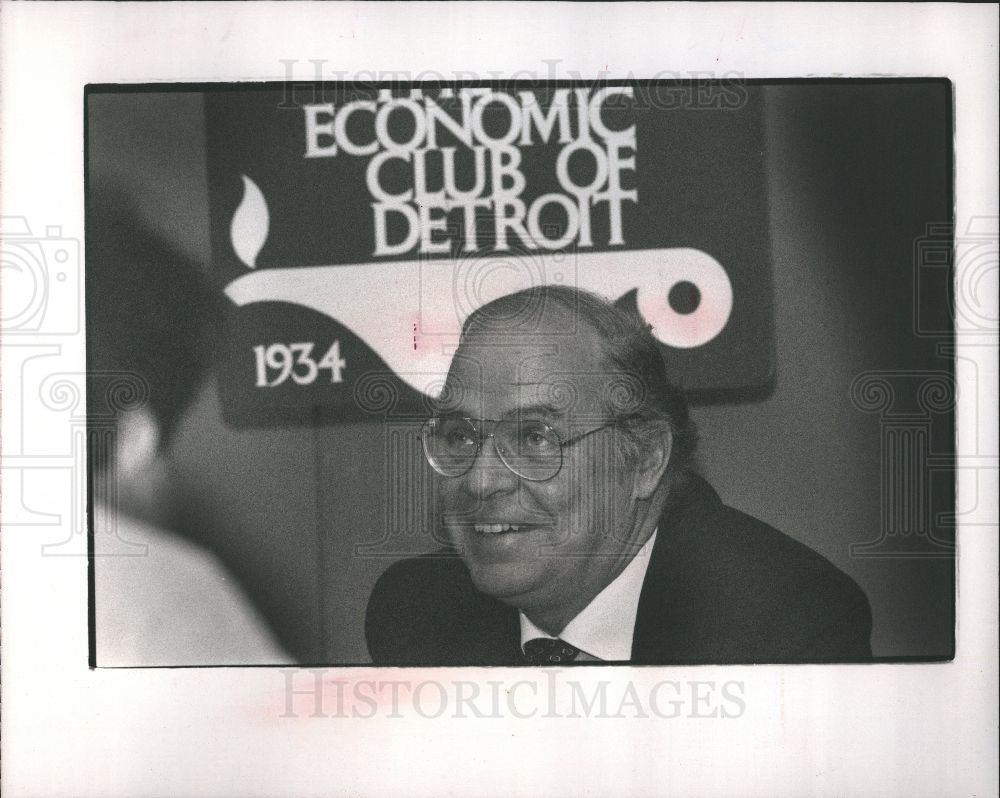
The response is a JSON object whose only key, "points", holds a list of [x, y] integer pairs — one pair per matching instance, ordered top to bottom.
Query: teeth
{"points": [[496, 529]]}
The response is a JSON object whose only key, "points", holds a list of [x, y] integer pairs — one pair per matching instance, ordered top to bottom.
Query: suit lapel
{"points": [[663, 629]]}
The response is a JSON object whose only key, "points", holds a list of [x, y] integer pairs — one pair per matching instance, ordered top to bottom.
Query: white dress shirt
{"points": [[603, 629]]}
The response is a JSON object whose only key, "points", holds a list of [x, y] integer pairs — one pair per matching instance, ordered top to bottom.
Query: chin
{"points": [[504, 581]]}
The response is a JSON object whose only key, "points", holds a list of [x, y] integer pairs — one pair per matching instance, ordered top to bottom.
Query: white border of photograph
{"points": [[68, 730]]}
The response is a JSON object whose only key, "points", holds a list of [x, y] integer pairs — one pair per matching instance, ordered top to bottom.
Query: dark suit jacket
{"points": [[721, 587]]}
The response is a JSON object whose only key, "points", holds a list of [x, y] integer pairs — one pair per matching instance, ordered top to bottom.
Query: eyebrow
{"points": [[540, 408]]}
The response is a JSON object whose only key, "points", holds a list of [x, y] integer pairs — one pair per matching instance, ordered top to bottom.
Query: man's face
{"points": [[573, 530]]}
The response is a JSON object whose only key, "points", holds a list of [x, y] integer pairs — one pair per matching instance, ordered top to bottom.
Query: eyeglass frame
{"points": [[477, 425]]}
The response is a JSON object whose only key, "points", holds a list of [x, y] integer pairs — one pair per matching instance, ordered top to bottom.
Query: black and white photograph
{"points": [[651, 373], [498, 399]]}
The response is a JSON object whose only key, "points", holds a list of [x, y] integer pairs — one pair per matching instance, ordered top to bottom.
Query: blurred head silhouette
{"points": [[151, 315]]}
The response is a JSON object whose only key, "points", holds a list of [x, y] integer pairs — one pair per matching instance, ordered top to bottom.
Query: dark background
{"points": [[856, 174]]}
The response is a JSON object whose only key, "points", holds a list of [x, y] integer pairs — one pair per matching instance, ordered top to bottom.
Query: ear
{"points": [[138, 443], [652, 465]]}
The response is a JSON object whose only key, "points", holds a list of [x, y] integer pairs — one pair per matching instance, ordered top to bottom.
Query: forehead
{"points": [[493, 375]]}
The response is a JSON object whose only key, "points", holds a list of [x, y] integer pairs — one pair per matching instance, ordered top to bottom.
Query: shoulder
{"points": [[779, 570], [427, 580], [759, 593], [160, 599], [426, 610]]}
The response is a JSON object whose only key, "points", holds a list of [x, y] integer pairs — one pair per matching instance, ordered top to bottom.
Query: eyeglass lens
{"points": [[529, 448]]}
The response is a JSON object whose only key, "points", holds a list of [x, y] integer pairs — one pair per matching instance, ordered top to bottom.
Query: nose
{"points": [[489, 476]]}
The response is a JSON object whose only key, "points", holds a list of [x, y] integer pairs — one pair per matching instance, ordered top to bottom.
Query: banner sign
{"points": [[355, 228]]}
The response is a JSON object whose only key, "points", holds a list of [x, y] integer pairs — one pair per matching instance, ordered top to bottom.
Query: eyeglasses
{"points": [[530, 448]]}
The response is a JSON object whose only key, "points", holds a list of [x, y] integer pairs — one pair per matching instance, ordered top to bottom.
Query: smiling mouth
{"points": [[501, 529]]}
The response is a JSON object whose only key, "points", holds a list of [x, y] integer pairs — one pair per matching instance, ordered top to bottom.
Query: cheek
{"points": [[446, 490], [454, 494], [551, 499], [570, 503], [597, 504], [451, 507]]}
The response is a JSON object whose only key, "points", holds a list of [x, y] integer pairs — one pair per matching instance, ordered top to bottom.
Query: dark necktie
{"points": [[546, 651]]}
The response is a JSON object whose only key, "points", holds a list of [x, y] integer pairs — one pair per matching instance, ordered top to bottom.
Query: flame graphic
{"points": [[249, 227]]}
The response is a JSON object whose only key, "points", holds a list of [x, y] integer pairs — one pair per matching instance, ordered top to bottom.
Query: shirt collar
{"points": [[604, 628]]}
